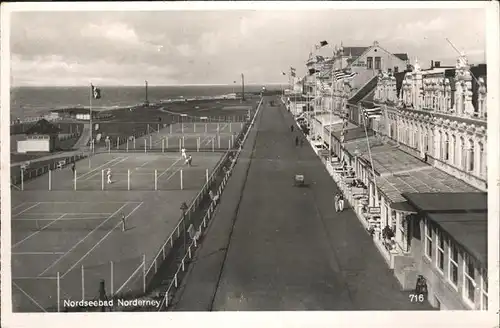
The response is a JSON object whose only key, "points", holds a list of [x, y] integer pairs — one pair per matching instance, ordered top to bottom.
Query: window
{"points": [[369, 62], [377, 63], [446, 147], [453, 149], [463, 153], [481, 159], [470, 167], [428, 240], [440, 252], [453, 265], [469, 280], [484, 292]]}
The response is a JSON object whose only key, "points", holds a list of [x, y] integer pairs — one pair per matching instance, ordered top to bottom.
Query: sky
{"points": [[216, 47]]}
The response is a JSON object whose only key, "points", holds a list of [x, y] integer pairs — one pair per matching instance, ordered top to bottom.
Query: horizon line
{"points": [[142, 85]]}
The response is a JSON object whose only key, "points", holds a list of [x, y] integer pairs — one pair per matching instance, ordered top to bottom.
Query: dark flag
{"points": [[321, 44], [313, 71], [283, 73], [96, 92]]}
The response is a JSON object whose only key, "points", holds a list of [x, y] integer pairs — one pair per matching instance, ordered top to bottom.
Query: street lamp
{"points": [[183, 209]]}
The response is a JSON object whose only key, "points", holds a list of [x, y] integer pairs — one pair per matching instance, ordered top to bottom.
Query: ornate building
{"points": [[439, 115], [437, 119]]}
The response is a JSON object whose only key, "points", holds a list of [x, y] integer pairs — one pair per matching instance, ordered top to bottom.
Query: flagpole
{"points": [[331, 117], [91, 127], [369, 153]]}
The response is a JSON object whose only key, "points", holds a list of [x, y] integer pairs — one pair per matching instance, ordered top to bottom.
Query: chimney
{"points": [[432, 64], [437, 64]]}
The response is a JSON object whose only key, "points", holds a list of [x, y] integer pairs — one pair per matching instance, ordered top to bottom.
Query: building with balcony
{"points": [[416, 175], [436, 201]]}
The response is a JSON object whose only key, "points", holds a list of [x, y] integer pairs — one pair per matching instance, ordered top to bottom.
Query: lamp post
{"points": [[183, 209]]}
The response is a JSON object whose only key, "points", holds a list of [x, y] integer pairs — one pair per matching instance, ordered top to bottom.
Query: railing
{"points": [[34, 119], [20, 175], [208, 215]]}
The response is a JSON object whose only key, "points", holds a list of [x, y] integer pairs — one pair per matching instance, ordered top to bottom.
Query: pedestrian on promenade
{"points": [[291, 128], [296, 141], [73, 168], [336, 202], [341, 202]]}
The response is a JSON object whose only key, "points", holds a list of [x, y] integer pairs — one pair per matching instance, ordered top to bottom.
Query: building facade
{"points": [[437, 119], [429, 140]]}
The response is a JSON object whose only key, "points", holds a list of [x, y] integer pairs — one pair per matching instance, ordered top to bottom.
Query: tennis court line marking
{"points": [[98, 167], [168, 168], [97, 172], [171, 175], [91, 202], [15, 207], [26, 209], [59, 213], [68, 219], [36, 232], [83, 239], [101, 240], [37, 253], [28, 296]]}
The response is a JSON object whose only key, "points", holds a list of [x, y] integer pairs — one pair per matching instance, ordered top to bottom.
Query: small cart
{"points": [[299, 180]]}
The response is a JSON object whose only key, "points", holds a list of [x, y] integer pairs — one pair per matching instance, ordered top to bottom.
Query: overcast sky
{"points": [[215, 47]]}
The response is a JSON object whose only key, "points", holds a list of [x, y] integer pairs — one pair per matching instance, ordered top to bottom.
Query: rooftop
{"points": [[353, 51], [402, 56], [43, 127], [336, 127], [354, 132], [420, 178], [463, 215]]}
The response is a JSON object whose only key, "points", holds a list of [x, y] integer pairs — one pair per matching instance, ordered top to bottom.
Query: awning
{"points": [[403, 207]]}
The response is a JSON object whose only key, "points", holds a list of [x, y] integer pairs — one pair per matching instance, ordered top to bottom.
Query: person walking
{"points": [[291, 128], [296, 141], [301, 142], [73, 168], [336, 202], [341, 202]]}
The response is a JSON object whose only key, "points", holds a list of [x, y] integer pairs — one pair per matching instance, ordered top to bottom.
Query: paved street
{"points": [[288, 249]]}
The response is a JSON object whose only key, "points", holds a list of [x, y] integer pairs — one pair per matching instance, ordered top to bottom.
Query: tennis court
{"points": [[192, 136], [130, 171], [64, 242]]}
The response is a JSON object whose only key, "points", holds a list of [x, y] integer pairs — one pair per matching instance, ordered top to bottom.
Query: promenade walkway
{"points": [[285, 248]]}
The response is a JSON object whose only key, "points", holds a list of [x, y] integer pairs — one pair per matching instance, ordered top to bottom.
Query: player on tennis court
{"points": [[183, 153], [189, 160], [108, 173], [123, 222]]}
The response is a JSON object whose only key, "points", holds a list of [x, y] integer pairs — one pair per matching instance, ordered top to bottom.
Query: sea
{"points": [[37, 101]]}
